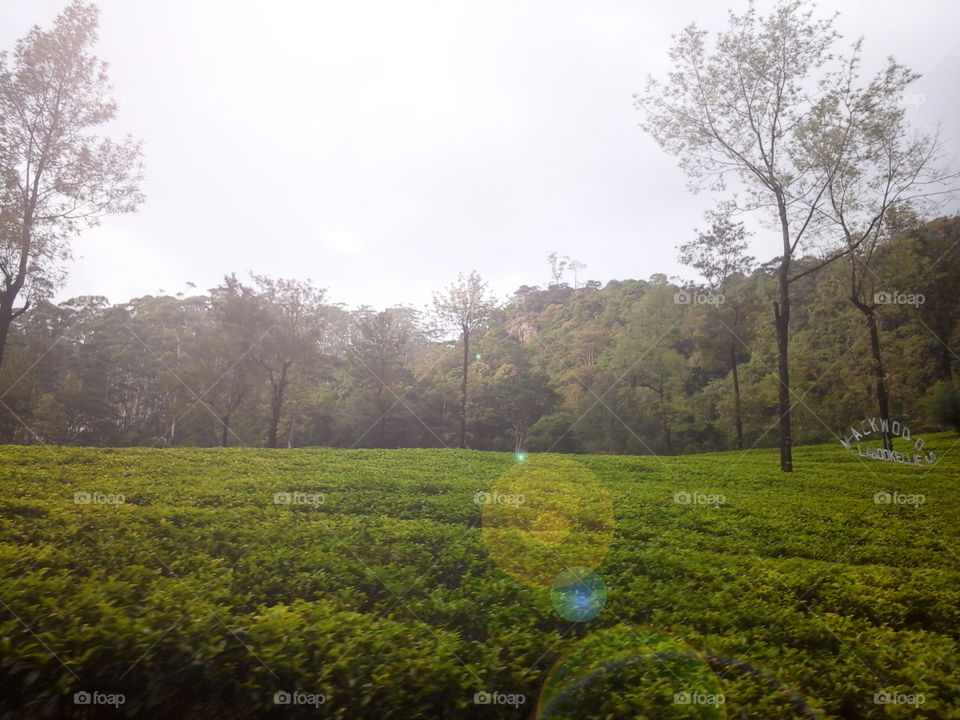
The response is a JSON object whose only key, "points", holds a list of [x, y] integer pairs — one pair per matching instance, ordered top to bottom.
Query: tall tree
{"points": [[740, 108], [887, 170], [55, 176], [718, 254], [558, 266], [465, 306], [290, 321], [382, 343], [646, 355], [226, 373]]}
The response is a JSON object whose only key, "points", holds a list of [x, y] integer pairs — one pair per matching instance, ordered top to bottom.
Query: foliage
{"points": [[56, 177], [623, 368], [200, 596]]}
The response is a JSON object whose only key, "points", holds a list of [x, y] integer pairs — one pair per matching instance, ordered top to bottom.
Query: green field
{"points": [[200, 596]]}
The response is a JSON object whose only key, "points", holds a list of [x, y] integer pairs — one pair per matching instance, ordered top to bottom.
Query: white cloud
{"points": [[383, 147]]}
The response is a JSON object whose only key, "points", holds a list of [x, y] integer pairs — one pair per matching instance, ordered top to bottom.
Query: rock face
{"points": [[523, 328]]}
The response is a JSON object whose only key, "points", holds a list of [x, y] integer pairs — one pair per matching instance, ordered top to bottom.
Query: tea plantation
{"points": [[238, 583]]}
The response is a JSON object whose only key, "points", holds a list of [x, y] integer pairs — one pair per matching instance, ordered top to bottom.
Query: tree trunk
{"points": [[9, 295], [781, 313], [6, 320], [783, 372], [880, 374], [463, 389], [276, 406], [230, 410], [738, 416], [665, 421], [382, 423], [519, 430]]}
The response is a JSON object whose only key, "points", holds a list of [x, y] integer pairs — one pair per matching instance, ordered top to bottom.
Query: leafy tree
{"points": [[747, 108], [876, 168], [55, 176], [718, 254], [930, 254], [465, 306], [289, 320], [382, 344], [647, 357], [228, 369], [512, 393], [945, 405], [50, 419], [554, 433]]}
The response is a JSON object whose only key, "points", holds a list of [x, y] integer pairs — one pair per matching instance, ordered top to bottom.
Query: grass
{"points": [[390, 593]]}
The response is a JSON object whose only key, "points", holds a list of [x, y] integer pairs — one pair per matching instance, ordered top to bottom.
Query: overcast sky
{"points": [[381, 147]]}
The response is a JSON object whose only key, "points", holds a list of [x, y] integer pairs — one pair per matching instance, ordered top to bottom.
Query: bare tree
{"points": [[743, 109], [888, 172], [55, 177], [558, 266], [575, 267], [465, 305]]}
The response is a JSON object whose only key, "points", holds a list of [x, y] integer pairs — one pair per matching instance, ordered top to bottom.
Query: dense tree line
{"points": [[841, 162], [635, 366]]}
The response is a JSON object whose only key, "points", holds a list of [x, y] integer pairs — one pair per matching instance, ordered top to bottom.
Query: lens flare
{"points": [[565, 520], [578, 594], [631, 672]]}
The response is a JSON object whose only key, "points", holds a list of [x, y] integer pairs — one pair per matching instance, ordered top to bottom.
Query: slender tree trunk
{"points": [[9, 294], [781, 313], [6, 320], [783, 372], [879, 373], [463, 389], [276, 406], [230, 410], [738, 416], [665, 421], [382, 424], [519, 430]]}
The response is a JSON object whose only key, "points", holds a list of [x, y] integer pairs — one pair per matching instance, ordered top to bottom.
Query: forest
{"points": [[633, 366]]}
